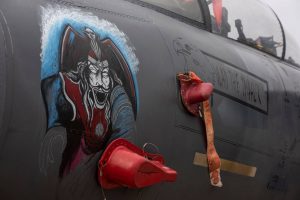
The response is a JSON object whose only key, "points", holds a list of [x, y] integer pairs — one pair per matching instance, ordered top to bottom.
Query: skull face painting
{"points": [[92, 93]]}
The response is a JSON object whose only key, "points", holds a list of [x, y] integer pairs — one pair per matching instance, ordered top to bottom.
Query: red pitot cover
{"points": [[125, 165]]}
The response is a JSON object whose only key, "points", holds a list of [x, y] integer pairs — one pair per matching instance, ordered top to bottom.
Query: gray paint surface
{"points": [[268, 140]]}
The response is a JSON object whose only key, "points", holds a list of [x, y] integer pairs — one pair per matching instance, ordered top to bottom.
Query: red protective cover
{"points": [[217, 8], [193, 91], [125, 165]]}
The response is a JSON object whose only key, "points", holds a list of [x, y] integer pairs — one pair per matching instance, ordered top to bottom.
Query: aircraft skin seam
{"points": [[105, 11]]}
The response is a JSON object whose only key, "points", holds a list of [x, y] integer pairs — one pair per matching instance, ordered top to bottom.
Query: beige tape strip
{"points": [[227, 165]]}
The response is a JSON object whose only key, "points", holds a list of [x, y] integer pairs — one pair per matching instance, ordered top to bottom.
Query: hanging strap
{"points": [[195, 97], [213, 159]]}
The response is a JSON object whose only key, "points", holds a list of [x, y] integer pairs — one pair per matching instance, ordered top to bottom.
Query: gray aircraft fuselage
{"points": [[255, 107]]}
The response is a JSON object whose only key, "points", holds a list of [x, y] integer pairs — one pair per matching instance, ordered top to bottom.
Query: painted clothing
{"points": [[96, 125], [86, 136]]}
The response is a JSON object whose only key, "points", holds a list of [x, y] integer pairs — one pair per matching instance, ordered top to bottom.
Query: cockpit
{"points": [[247, 21], [255, 24]]}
